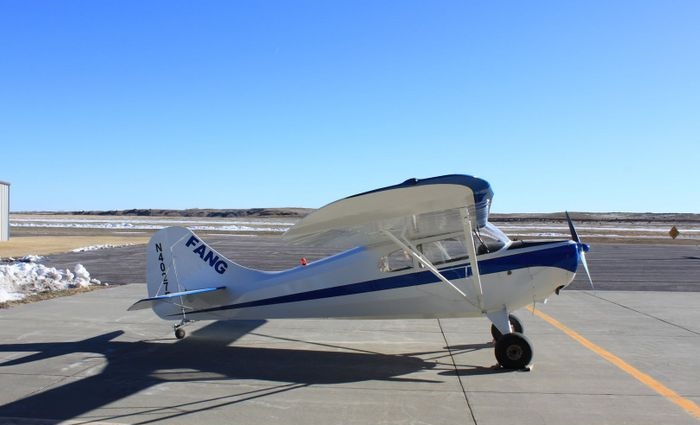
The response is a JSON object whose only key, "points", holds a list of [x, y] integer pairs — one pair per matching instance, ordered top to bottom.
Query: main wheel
{"points": [[514, 323], [180, 333], [513, 351]]}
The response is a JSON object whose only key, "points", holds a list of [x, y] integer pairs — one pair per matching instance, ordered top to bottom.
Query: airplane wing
{"points": [[414, 209], [401, 213]]}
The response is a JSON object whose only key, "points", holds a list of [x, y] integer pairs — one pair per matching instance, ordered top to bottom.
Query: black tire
{"points": [[514, 323], [180, 333], [513, 351]]}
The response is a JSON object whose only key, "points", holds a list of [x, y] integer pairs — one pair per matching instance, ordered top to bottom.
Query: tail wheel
{"points": [[514, 323], [180, 333], [513, 351]]}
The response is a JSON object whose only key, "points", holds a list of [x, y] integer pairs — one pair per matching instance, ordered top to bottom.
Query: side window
{"points": [[445, 250], [397, 260]]}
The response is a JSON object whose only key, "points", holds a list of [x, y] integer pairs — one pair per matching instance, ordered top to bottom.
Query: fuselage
{"points": [[356, 284]]}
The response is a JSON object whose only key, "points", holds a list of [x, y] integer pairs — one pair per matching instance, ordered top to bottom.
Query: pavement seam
{"points": [[642, 313], [459, 378]]}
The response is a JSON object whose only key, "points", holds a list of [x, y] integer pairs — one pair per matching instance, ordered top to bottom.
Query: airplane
{"points": [[423, 248]]}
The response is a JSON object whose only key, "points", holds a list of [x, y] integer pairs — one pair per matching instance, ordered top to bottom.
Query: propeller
{"points": [[582, 248]]}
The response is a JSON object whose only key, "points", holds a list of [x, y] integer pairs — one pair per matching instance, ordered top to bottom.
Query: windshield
{"points": [[490, 238]]}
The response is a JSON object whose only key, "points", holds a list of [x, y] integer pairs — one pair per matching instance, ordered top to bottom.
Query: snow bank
{"points": [[263, 225], [97, 247], [22, 278]]}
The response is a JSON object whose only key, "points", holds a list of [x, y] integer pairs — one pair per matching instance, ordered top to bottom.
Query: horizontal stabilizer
{"points": [[149, 302]]}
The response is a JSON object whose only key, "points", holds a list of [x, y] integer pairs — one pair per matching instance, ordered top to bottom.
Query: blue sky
{"points": [[578, 105]]}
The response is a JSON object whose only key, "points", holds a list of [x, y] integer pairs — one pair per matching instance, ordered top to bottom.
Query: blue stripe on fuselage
{"points": [[563, 257]]}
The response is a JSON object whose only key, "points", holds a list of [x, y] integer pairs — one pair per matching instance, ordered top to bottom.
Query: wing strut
{"points": [[408, 247], [471, 250]]}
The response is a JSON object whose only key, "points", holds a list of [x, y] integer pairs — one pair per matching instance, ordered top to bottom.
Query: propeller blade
{"points": [[572, 229], [582, 248], [584, 263]]}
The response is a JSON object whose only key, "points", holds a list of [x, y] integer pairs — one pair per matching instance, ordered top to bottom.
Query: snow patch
{"points": [[234, 226], [98, 247], [18, 279]]}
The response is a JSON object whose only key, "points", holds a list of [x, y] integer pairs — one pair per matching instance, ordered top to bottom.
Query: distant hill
{"points": [[192, 212], [302, 212], [598, 217]]}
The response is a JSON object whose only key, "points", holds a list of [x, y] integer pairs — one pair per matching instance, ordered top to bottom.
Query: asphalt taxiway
{"points": [[629, 267], [601, 357]]}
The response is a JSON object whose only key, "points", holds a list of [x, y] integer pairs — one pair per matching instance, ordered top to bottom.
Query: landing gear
{"points": [[514, 323], [179, 328], [513, 351]]}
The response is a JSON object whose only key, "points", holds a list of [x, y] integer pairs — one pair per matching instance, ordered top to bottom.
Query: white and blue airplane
{"points": [[420, 249]]}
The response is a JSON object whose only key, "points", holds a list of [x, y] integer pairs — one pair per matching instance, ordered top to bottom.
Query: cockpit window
{"points": [[487, 239], [442, 251], [397, 260]]}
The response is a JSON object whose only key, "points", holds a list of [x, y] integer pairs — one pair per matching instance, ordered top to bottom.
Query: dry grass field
{"points": [[20, 246]]}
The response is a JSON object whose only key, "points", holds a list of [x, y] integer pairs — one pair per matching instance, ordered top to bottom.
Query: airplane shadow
{"points": [[469, 347], [204, 356], [445, 357], [471, 370], [475, 371]]}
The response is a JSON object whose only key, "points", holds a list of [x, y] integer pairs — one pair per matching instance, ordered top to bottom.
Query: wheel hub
{"points": [[514, 352]]}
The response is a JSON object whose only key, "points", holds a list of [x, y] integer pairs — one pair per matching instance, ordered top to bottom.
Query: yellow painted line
{"points": [[687, 405]]}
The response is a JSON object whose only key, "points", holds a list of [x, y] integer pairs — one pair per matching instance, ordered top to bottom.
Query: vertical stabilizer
{"points": [[178, 261]]}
